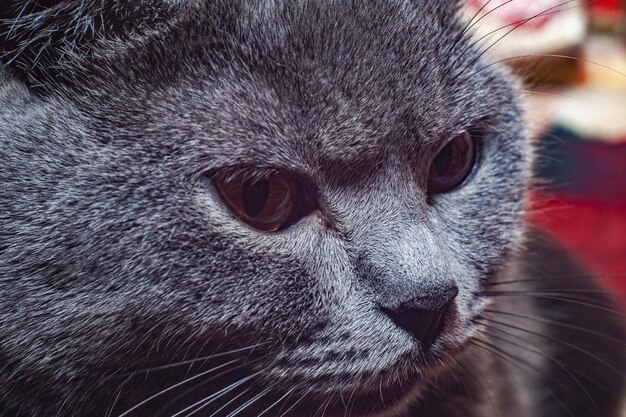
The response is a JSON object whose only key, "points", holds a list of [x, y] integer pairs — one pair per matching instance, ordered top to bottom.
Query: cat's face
{"points": [[121, 252]]}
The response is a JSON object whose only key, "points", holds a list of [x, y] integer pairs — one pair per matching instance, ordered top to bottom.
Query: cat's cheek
{"points": [[488, 210]]}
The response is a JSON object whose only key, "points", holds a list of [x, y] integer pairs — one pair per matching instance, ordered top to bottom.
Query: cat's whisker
{"points": [[554, 9], [551, 10], [476, 19], [473, 21], [539, 55], [550, 94], [499, 131], [553, 278], [575, 291], [555, 296], [492, 321], [556, 323], [494, 327], [148, 333], [181, 345], [220, 345], [527, 345], [191, 361], [515, 361], [562, 366], [449, 369], [479, 382], [201, 384], [177, 385], [380, 392], [284, 397], [302, 397], [250, 402], [343, 402], [206, 403], [350, 404], [199, 405], [324, 406], [111, 408], [319, 409]]}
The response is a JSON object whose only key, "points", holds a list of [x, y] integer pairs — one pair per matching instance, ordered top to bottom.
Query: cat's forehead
{"points": [[339, 75], [345, 80]]}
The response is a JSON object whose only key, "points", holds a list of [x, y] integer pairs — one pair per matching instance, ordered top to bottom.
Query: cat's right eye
{"points": [[268, 200]]}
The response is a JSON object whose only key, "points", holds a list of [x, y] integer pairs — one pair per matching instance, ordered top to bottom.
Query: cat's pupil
{"points": [[443, 161], [254, 194]]}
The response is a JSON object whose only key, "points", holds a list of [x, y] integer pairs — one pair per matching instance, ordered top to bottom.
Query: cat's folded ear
{"points": [[40, 39]]}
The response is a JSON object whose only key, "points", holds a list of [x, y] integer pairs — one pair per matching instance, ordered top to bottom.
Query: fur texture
{"points": [[120, 266]]}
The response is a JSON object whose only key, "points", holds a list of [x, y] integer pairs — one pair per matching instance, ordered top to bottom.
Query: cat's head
{"points": [[307, 195]]}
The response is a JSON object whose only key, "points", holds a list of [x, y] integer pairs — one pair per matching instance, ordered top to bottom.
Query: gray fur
{"points": [[116, 254]]}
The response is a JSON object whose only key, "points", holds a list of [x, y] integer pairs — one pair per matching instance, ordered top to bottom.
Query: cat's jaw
{"points": [[400, 401], [399, 407]]}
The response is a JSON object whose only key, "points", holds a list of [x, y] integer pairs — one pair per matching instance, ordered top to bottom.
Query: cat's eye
{"points": [[452, 165], [267, 200]]}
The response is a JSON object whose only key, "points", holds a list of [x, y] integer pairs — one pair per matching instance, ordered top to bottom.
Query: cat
{"points": [[279, 208]]}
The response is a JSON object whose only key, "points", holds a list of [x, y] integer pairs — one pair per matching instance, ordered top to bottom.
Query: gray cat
{"points": [[278, 208]]}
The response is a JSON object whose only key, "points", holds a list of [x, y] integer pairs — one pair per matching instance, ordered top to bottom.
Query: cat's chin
{"points": [[395, 401], [400, 402]]}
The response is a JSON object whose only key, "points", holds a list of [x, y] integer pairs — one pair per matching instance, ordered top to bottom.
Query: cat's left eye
{"points": [[452, 165], [266, 200]]}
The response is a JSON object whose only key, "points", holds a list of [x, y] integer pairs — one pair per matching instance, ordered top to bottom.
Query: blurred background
{"points": [[572, 58]]}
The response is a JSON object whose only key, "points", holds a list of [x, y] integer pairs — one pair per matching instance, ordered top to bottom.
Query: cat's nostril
{"points": [[423, 320]]}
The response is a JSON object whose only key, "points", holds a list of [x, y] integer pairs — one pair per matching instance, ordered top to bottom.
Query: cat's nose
{"points": [[423, 317]]}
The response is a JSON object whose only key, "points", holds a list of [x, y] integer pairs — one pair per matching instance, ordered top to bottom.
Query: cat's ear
{"points": [[39, 39]]}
